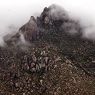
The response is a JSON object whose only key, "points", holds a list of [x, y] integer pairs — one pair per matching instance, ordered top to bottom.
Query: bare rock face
{"points": [[54, 15], [52, 19], [29, 30], [27, 33], [12, 39]]}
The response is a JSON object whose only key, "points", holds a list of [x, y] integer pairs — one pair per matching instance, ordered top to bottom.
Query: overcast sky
{"points": [[13, 11], [17, 12]]}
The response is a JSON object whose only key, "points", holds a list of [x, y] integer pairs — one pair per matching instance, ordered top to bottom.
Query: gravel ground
{"points": [[41, 70]]}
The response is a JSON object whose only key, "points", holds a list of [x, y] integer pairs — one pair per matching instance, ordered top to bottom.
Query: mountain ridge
{"points": [[48, 56]]}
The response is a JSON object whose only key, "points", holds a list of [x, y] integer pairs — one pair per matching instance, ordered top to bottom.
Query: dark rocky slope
{"points": [[57, 60]]}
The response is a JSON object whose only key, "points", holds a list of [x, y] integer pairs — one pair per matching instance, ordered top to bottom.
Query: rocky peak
{"points": [[52, 18], [32, 20], [29, 26], [28, 31]]}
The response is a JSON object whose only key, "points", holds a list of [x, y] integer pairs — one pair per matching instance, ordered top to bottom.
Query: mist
{"points": [[15, 13]]}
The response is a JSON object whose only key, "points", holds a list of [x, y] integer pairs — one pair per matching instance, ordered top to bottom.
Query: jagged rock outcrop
{"points": [[53, 16], [51, 19], [30, 30], [12, 39]]}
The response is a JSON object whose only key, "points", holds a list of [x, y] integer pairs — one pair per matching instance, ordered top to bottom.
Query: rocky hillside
{"points": [[48, 56]]}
